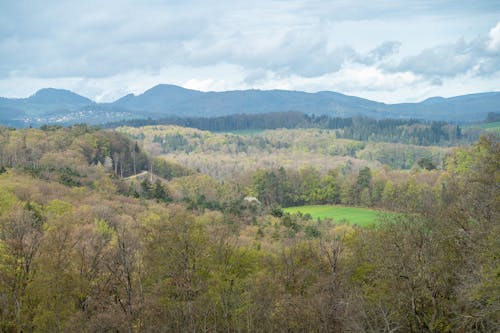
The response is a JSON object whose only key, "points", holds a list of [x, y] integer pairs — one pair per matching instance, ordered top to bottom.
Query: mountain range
{"points": [[59, 106]]}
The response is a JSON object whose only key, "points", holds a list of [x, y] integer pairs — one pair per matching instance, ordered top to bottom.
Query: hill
{"points": [[168, 100], [65, 107], [84, 249]]}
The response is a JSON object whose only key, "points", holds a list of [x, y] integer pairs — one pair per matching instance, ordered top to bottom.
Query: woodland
{"points": [[163, 228]]}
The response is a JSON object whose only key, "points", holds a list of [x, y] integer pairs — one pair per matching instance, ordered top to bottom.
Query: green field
{"points": [[490, 127], [245, 132], [352, 215]]}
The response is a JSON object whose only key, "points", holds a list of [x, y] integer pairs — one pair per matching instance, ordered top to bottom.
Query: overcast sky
{"points": [[391, 51]]}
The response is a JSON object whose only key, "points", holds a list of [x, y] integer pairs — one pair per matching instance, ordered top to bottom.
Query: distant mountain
{"points": [[50, 96], [159, 99], [47, 100], [168, 100], [43, 104], [49, 105], [65, 107], [465, 108]]}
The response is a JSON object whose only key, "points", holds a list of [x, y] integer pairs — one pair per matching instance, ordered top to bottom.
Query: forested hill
{"points": [[173, 100], [64, 107], [359, 128], [84, 248]]}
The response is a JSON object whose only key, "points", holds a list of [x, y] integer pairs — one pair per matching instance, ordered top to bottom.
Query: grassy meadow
{"points": [[493, 127], [352, 215]]}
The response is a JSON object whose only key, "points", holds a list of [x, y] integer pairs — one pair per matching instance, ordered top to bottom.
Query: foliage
{"points": [[409, 131], [227, 155], [88, 259]]}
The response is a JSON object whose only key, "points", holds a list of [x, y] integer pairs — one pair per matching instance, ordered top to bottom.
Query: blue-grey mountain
{"points": [[65, 107]]}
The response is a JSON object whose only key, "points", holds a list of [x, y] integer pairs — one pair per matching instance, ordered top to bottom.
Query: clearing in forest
{"points": [[351, 215]]}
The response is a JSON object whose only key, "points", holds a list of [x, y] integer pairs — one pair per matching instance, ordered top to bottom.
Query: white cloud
{"points": [[494, 42], [382, 49], [475, 57], [202, 85]]}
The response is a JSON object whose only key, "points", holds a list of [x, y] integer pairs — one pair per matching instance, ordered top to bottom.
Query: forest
{"points": [[409, 131], [231, 154], [169, 229]]}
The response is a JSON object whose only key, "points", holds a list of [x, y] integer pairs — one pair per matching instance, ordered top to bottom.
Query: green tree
{"points": [[363, 181], [147, 188], [329, 191], [160, 193], [388, 195]]}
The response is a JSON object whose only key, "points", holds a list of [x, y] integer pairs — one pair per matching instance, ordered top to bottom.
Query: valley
{"points": [[249, 166], [233, 230]]}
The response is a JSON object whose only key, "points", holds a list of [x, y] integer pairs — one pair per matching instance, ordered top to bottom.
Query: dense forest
{"points": [[412, 131], [229, 154], [96, 235]]}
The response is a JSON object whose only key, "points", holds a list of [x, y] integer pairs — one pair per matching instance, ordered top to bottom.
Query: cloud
{"points": [[494, 38], [92, 39], [106, 49], [305, 51], [381, 52], [479, 56], [443, 60], [256, 76], [436, 81]]}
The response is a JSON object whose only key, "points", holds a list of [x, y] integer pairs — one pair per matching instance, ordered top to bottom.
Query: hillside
{"points": [[65, 107], [227, 155], [87, 247]]}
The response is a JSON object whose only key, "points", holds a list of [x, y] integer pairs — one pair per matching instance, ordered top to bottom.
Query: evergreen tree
{"points": [[160, 193]]}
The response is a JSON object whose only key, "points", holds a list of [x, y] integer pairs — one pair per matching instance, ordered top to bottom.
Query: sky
{"points": [[389, 51]]}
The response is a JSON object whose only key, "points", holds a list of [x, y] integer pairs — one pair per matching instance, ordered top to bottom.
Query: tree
{"points": [[426, 163], [363, 182], [146, 188], [329, 191], [160, 193], [388, 195], [21, 233]]}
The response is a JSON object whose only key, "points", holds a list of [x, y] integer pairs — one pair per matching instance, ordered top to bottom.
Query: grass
{"points": [[490, 127], [245, 132], [352, 215]]}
